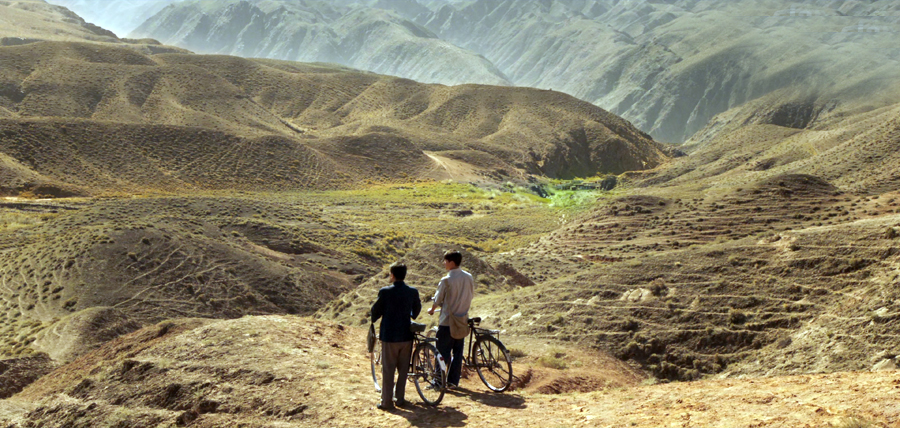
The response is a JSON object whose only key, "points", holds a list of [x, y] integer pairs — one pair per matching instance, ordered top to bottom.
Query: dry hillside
{"points": [[26, 20], [23, 22], [89, 118], [852, 145], [76, 272]]}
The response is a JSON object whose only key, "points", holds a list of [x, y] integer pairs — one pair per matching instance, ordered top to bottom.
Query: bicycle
{"points": [[489, 357], [427, 368]]}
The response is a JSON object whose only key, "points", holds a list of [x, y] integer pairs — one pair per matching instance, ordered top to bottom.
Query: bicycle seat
{"points": [[473, 321], [416, 327]]}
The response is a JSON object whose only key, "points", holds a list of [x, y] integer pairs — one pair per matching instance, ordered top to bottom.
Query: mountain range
{"points": [[667, 67]]}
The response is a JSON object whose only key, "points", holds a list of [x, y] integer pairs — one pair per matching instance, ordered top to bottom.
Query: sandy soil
{"points": [[292, 372], [798, 401]]}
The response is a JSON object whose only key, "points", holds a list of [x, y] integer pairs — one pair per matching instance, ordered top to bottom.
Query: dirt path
{"points": [[452, 169], [296, 372], [784, 402], [789, 402]]}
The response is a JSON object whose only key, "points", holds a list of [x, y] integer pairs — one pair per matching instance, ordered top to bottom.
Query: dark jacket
{"points": [[398, 304]]}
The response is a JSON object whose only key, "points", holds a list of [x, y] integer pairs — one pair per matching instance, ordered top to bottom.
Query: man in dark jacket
{"points": [[397, 304]]}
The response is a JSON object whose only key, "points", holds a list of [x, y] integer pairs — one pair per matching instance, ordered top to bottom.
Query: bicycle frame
{"points": [[476, 333], [418, 338], [493, 363]]}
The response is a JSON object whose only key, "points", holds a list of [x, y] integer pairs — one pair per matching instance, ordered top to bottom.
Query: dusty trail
{"points": [[297, 372], [789, 402]]}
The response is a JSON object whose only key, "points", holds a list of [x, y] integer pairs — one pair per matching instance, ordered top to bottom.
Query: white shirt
{"points": [[454, 294]]}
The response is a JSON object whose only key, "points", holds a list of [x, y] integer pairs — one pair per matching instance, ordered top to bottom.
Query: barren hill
{"points": [[26, 20], [23, 22], [92, 118], [192, 121], [852, 145], [103, 269]]}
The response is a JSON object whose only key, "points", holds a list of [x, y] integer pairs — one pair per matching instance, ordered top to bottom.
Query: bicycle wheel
{"points": [[375, 356], [493, 363], [429, 373]]}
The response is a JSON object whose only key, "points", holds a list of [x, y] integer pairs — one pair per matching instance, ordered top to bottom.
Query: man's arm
{"points": [[438, 296], [417, 306], [378, 307]]}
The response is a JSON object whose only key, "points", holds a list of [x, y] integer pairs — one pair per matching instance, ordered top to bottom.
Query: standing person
{"points": [[454, 295], [397, 305]]}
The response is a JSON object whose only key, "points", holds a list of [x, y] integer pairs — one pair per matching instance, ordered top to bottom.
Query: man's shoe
{"points": [[401, 403], [385, 408]]}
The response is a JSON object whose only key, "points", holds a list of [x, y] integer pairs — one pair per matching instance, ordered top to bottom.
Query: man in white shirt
{"points": [[454, 295]]}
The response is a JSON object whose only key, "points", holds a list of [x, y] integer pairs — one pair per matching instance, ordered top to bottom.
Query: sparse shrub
{"points": [[658, 287], [558, 319], [630, 324], [631, 350], [517, 353], [553, 361], [650, 381], [854, 422]]}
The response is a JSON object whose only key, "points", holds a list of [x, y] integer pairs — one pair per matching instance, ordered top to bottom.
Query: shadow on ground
{"points": [[492, 399], [421, 415]]}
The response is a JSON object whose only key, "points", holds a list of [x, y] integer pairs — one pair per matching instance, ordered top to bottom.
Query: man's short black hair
{"points": [[454, 256], [399, 271]]}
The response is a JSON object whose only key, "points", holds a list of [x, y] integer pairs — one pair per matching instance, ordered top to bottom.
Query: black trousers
{"points": [[447, 345]]}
